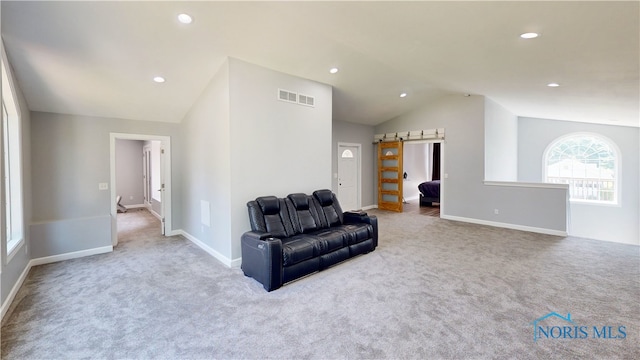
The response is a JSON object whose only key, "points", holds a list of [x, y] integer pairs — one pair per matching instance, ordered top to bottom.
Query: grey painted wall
{"points": [[463, 120], [347, 132], [244, 143], [501, 143], [288, 145], [70, 157], [207, 166], [129, 171], [464, 195], [612, 223], [11, 270]]}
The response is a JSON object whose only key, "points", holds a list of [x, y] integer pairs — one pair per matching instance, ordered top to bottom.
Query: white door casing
{"points": [[147, 175], [165, 176], [349, 182]]}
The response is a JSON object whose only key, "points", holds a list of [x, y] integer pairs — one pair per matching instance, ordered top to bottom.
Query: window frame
{"points": [[617, 194], [12, 244]]}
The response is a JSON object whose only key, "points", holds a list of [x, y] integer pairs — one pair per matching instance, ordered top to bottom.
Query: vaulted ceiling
{"points": [[99, 58]]}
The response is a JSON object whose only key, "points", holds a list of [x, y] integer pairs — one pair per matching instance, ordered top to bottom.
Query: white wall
{"points": [[244, 143], [501, 143], [416, 163], [129, 167], [464, 195], [611, 223]]}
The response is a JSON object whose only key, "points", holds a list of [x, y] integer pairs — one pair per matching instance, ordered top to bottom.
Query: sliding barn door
{"points": [[390, 176]]}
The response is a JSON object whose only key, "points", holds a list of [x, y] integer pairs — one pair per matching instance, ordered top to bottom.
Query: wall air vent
{"points": [[288, 96], [306, 100]]}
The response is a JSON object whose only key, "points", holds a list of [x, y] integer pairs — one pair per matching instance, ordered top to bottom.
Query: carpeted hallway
{"points": [[433, 289]]}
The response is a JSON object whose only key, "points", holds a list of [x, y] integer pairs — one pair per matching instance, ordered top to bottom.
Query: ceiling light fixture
{"points": [[185, 18], [529, 35], [333, 70], [159, 79], [553, 84], [403, 95]]}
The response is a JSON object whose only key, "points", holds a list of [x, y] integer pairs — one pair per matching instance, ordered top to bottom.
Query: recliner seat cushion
{"points": [[357, 232], [334, 239], [297, 249]]}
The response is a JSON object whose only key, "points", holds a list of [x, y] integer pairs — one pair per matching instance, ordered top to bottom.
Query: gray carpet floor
{"points": [[433, 289]]}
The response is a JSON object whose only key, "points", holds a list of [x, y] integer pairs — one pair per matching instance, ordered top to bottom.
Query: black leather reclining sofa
{"points": [[302, 234]]}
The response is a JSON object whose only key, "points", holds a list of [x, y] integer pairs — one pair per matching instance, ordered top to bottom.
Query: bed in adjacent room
{"points": [[429, 192]]}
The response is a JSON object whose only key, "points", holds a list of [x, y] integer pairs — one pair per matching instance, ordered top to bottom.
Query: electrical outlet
{"points": [[103, 186], [496, 211]]}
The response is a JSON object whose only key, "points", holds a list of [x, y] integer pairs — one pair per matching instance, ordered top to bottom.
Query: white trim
{"points": [[618, 166], [527, 184], [166, 199], [135, 206], [369, 207], [157, 216], [506, 226], [13, 247], [71, 255], [47, 260], [235, 263], [14, 290]]}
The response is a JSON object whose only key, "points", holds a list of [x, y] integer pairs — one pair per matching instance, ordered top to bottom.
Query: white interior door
{"points": [[349, 176]]}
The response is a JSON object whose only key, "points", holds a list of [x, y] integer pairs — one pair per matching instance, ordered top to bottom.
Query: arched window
{"points": [[347, 154], [589, 163]]}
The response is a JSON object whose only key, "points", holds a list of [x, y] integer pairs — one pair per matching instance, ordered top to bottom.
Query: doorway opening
{"points": [[140, 167], [423, 177]]}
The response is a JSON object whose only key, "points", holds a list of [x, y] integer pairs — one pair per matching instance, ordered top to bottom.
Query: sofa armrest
{"points": [[358, 217], [262, 258]]}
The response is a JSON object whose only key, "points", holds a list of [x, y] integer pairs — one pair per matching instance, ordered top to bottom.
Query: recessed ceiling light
{"points": [[185, 18], [529, 35], [333, 70], [159, 79], [553, 84], [403, 95]]}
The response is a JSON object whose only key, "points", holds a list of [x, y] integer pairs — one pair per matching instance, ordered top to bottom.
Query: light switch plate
{"points": [[103, 186]]}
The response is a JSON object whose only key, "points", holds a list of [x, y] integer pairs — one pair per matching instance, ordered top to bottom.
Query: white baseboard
{"points": [[136, 206], [369, 207], [154, 213], [505, 225], [71, 255], [47, 260], [235, 263], [14, 291]]}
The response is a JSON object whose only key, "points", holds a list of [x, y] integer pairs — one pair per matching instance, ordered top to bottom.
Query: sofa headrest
{"points": [[325, 197], [300, 201], [269, 205]]}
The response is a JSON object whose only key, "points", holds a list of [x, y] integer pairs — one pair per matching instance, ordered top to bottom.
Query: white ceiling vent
{"points": [[288, 96], [306, 100]]}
